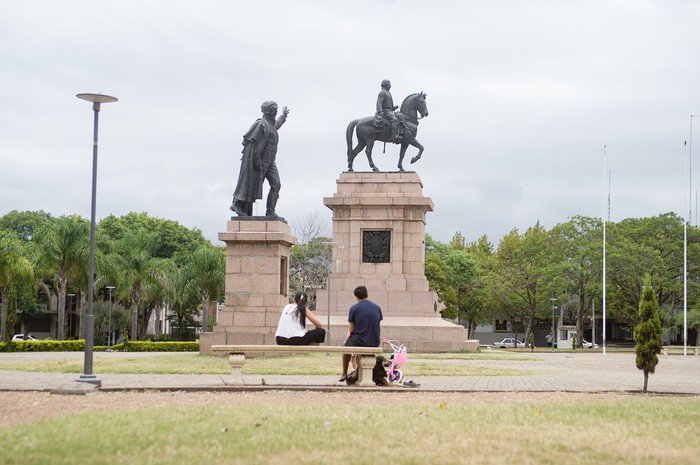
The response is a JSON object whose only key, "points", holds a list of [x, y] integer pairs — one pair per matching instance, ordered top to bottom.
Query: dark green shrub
{"points": [[647, 332], [44, 346], [79, 346]]}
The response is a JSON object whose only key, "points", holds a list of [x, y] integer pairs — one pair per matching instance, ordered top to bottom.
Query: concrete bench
{"points": [[695, 350], [366, 357]]}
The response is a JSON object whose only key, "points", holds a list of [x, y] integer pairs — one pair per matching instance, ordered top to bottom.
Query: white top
{"points": [[289, 325]]}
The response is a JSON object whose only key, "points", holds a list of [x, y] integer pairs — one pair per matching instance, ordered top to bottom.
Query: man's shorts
{"points": [[353, 342]]}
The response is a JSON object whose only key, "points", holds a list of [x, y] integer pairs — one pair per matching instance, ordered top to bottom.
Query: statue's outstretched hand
{"points": [[285, 111]]}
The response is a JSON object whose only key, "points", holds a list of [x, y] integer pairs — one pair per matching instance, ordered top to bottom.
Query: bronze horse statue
{"points": [[367, 131]]}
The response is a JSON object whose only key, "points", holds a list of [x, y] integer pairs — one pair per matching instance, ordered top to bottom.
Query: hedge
{"points": [[79, 346]]}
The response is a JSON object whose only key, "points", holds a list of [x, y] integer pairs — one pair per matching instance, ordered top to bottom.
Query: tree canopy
{"points": [[150, 261]]}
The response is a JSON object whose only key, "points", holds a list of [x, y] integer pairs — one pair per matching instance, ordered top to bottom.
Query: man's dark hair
{"points": [[360, 292]]}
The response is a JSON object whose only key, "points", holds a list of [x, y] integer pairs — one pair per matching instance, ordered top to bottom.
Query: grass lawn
{"points": [[309, 364], [345, 426], [355, 428]]}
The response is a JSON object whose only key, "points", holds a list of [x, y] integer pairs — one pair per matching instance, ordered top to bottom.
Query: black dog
{"points": [[379, 373]]}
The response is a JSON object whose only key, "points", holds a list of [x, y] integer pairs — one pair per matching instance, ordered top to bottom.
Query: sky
{"points": [[533, 106]]}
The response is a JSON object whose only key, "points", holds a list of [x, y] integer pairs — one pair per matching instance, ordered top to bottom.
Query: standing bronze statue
{"points": [[384, 126], [258, 163]]}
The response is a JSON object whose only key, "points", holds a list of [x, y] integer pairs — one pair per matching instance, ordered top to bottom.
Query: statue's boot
{"points": [[395, 136], [271, 204], [238, 207]]}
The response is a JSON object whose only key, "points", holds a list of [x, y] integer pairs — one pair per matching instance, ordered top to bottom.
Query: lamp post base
{"points": [[92, 379]]}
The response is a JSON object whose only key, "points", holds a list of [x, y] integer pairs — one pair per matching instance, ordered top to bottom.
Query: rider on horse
{"points": [[386, 107]]}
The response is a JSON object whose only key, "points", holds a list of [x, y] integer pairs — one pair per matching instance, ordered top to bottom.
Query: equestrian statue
{"points": [[388, 126]]}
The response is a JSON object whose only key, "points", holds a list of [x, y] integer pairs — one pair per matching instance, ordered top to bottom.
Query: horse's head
{"points": [[415, 104], [422, 106]]}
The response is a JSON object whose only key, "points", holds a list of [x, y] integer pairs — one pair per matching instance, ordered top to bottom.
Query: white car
{"points": [[20, 337], [509, 342], [588, 345]]}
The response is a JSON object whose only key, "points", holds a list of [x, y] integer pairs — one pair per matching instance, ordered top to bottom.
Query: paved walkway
{"points": [[559, 371]]}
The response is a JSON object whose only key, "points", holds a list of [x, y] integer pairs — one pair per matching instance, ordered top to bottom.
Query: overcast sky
{"points": [[523, 97]]}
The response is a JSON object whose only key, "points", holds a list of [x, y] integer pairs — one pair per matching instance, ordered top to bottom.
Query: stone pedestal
{"points": [[379, 236], [257, 282]]}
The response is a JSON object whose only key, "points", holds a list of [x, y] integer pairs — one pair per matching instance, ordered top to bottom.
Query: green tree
{"points": [[25, 224], [173, 238], [654, 245], [62, 247], [310, 259], [577, 262], [309, 265], [14, 266], [137, 268], [206, 272], [451, 272], [437, 275], [518, 275], [160, 293], [183, 304], [478, 304], [109, 316], [647, 332]]}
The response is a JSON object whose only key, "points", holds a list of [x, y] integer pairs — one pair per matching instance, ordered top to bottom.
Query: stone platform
{"points": [[379, 242]]}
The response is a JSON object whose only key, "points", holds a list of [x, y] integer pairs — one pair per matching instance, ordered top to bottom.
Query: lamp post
{"points": [[328, 285], [554, 307], [109, 321], [87, 376]]}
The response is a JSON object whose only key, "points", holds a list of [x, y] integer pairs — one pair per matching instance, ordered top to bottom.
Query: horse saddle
{"points": [[380, 121]]}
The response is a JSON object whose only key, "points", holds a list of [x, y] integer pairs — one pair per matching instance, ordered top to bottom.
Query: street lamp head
{"points": [[97, 99], [110, 287]]}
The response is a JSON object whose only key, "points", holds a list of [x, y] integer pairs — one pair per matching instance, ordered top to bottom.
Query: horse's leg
{"points": [[418, 145], [368, 151], [353, 153], [402, 153]]}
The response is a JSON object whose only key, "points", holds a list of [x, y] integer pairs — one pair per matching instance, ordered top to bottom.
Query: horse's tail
{"points": [[348, 134]]}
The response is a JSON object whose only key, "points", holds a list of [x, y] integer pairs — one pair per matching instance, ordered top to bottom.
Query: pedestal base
{"points": [[379, 242], [257, 282]]}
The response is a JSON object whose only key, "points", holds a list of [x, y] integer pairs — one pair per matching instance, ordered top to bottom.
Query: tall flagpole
{"points": [[690, 192], [605, 203], [685, 255]]}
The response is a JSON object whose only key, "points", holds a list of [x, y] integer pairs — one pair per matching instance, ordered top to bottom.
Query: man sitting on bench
{"points": [[363, 326]]}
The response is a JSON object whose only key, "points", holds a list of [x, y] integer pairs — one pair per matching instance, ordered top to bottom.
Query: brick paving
{"points": [[583, 371]]}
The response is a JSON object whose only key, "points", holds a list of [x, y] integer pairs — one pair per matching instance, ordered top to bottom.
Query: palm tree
{"points": [[63, 247], [14, 265], [137, 268], [206, 271], [161, 290], [184, 300]]}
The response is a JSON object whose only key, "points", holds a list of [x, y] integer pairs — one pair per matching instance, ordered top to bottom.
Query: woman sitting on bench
{"points": [[291, 329]]}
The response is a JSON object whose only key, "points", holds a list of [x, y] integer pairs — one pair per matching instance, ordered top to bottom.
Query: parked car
{"points": [[20, 337], [509, 342], [588, 345]]}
